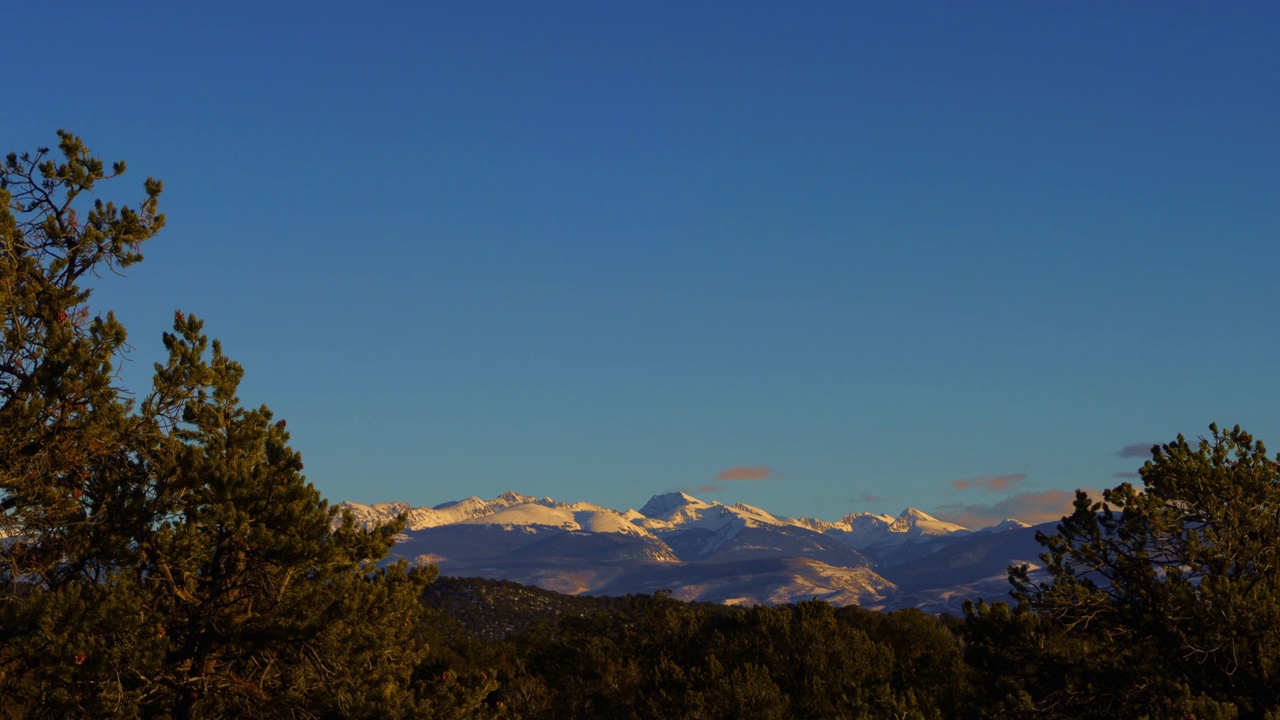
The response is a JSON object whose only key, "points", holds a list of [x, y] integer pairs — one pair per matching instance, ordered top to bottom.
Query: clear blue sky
{"points": [[873, 253]]}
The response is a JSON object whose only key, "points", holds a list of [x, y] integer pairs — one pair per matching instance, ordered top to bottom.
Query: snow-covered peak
{"points": [[510, 498], [473, 505], [663, 506], [458, 510], [678, 511], [384, 512], [446, 513], [375, 514], [526, 514], [663, 514], [757, 514], [578, 516], [604, 520], [868, 520], [853, 522], [917, 522], [1006, 524], [858, 530], [865, 530], [698, 547]]}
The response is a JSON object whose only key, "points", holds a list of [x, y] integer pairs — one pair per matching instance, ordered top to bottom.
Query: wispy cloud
{"points": [[1135, 450], [740, 472], [1127, 475], [990, 482], [707, 489], [867, 497], [1029, 507]]}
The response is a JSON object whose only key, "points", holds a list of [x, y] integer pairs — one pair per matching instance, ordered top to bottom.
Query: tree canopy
{"points": [[165, 556], [1159, 601]]}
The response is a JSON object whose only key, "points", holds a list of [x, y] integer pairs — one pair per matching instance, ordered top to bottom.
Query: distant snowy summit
{"points": [[446, 513], [663, 513], [709, 551]]}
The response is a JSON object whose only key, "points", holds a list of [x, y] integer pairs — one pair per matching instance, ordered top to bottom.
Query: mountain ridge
{"points": [[706, 551]]}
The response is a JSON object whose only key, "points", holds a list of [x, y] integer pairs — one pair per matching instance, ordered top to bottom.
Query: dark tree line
{"points": [[163, 556], [655, 657]]}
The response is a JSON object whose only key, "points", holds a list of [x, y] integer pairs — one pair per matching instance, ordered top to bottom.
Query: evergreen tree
{"points": [[60, 414], [167, 558], [1173, 589]]}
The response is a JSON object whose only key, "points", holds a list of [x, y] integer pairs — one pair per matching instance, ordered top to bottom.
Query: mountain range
{"points": [[706, 551]]}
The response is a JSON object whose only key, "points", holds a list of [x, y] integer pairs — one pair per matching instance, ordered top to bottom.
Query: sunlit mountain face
{"points": [[708, 551]]}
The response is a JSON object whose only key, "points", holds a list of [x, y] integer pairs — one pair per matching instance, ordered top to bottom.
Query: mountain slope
{"points": [[706, 550]]}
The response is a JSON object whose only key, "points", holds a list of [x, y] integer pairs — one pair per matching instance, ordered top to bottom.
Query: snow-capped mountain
{"points": [[442, 514], [878, 534], [706, 550]]}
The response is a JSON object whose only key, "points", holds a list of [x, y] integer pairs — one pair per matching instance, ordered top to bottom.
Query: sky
{"points": [[820, 258]]}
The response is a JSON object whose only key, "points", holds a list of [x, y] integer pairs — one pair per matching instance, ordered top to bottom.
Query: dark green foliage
{"points": [[60, 415], [167, 558], [1161, 602], [499, 609], [655, 657], [928, 665]]}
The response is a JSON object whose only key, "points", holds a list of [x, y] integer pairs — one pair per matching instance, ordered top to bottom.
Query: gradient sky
{"points": [[819, 258]]}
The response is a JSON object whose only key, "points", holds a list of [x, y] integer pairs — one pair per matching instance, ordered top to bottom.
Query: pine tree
{"points": [[60, 413], [166, 558], [1174, 589]]}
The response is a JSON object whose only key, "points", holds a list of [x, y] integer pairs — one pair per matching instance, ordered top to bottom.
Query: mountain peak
{"points": [[515, 498], [465, 502], [665, 504], [755, 514], [916, 515], [918, 522], [1006, 524], [703, 548]]}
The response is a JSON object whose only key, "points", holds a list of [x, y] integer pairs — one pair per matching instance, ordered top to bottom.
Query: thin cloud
{"points": [[1136, 450], [740, 472], [1127, 475], [991, 482], [707, 489], [867, 497], [1029, 507]]}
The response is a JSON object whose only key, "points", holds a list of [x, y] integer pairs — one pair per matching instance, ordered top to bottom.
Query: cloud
{"points": [[1136, 450], [739, 472], [1127, 475], [990, 482], [707, 489], [867, 497], [1029, 507]]}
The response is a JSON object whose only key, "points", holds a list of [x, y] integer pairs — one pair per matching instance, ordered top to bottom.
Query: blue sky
{"points": [[821, 259]]}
